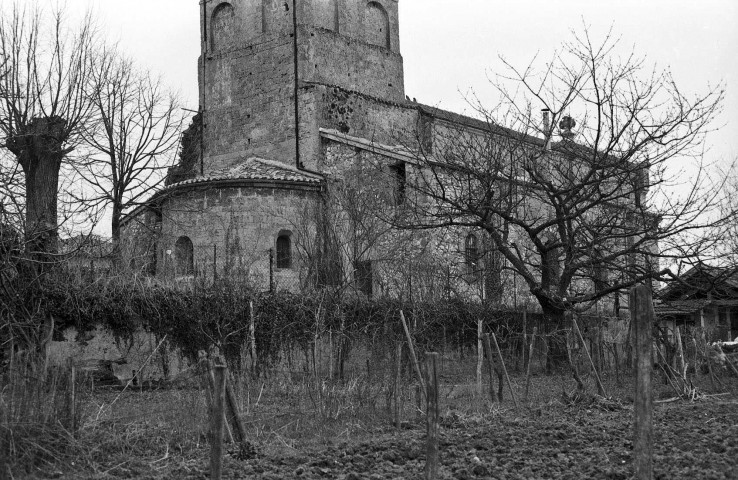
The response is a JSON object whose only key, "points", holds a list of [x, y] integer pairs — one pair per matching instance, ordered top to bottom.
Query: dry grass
{"points": [[36, 417], [163, 433]]}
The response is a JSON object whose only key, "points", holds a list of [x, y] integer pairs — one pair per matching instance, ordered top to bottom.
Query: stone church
{"points": [[291, 101]]}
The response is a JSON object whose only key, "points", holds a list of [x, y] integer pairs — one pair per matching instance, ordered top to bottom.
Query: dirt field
{"points": [[162, 435], [692, 441]]}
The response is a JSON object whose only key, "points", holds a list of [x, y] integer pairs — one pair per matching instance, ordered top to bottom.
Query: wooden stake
{"points": [[641, 314], [525, 335], [252, 338], [411, 349], [330, 354], [480, 356], [695, 358], [616, 360], [530, 361], [681, 364], [491, 366], [492, 369], [504, 370], [574, 371], [667, 373], [206, 381], [398, 386], [600, 388], [72, 399], [418, 400], [234, 414], [432, 415], [216, 424]]}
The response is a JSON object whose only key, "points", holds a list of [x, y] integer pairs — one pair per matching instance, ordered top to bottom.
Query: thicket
{"points": [[198, 316]]}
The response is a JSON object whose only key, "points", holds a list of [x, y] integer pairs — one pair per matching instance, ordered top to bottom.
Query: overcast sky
{"points": [[452, 46]]}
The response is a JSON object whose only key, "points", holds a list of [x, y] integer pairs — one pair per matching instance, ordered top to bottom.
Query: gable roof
{"points": [[702, 282]]}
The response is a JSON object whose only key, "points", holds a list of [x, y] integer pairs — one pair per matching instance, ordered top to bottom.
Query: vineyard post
{"points": [[641, 311], [252, 338], [524, 338], [411, 349], [680, 353], [480, 356], [530, 360], [491, 365], [504, 370], [398, 386], [600, 388], [72, 399], [234, 413], [432, 415], [216, 424]]}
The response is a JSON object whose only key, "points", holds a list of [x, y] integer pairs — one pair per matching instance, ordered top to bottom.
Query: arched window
{"points": [[376, 25], [222, 27], [284, 250], [471, 253], [183, 257]]}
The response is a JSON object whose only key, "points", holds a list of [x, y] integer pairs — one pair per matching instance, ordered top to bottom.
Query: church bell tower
{"points": [[263, 62]]}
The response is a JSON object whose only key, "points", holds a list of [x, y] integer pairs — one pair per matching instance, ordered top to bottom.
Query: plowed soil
{"points": [[581, 440]]}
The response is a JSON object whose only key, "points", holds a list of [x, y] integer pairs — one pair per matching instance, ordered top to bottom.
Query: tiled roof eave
{"points": [[312, 185]]}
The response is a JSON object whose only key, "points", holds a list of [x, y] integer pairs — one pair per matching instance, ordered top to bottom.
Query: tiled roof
{"points": [[398, 152], [255, 168], [251, 169], [698, 281], [679, 307]]}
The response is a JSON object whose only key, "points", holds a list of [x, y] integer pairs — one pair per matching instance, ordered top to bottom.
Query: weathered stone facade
{"points": [[247, 72], [219, 201], [248, 205]]}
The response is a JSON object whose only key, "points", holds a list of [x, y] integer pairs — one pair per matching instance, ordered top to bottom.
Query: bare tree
{"points": [[43, 106], [134, 136], [581, 209], [342, 240]]}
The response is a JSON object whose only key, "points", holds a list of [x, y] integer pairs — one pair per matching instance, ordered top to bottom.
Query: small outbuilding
{"points": [[705, 297]]}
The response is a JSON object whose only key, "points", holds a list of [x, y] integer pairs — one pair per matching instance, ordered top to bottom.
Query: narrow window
{"points": [[399, 178], [183, 251], [284, 251], [471, 253], [363, 277]]}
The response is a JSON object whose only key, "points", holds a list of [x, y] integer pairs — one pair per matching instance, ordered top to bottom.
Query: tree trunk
{"points": [[39, 149], [115, 234], [556, 340]]}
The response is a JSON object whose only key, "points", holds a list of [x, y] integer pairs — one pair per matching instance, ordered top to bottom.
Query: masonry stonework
{"points": [[342, 79]]}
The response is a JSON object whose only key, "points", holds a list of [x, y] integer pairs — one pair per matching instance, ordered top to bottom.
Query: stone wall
{"points": [[332, 59], [247, 71], [248, 106], [364, 116], [232, 230], [124, 356]]}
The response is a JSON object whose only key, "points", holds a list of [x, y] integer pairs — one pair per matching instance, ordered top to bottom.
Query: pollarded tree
{"points": [[44, 103], [134, 136], [579, 209]]}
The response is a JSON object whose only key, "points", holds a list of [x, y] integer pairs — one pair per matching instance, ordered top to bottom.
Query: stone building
{"points": [[283, 95], [304, 132]]}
